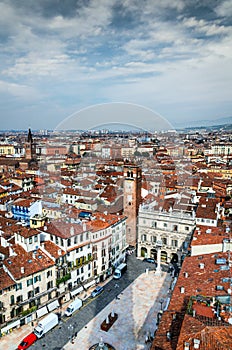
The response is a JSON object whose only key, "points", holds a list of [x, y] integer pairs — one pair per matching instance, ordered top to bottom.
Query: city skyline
{"points": [[59, 58]]}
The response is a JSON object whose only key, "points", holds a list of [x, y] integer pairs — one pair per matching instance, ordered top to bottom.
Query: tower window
{"points": [[130, 174], [144, 238]]}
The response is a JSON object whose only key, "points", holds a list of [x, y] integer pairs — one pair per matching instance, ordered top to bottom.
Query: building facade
{"points": [[174, 229]]}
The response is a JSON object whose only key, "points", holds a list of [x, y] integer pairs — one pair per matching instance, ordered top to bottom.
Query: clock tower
{"points": [[132, 200]]}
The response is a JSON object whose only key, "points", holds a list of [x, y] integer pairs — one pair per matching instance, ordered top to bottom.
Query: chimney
{"points": [[11, 251], [201, 265], [22, 269], [186, 274], [182, 290], [168, 334], [196, 343]]}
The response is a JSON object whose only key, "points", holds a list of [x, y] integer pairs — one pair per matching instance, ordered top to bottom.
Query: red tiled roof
{"points": [[24, 202], [64, 230], [208, 235], [53, 249], [25, 263], [199, 276], [5, 280]]}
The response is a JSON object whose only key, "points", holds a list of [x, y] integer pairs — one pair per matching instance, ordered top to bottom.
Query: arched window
{"points": [[154, 224], [144, 238], [164, 240], [143, 252], [164, 256], [12, 300]]}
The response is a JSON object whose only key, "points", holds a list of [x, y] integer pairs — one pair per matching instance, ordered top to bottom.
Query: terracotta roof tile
{"points": [[25, 263], [5, 280]]}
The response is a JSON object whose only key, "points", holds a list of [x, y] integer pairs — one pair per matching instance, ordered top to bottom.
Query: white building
{"points": [[173, 228]]}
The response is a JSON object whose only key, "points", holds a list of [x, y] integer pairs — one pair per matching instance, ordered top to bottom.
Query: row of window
{"points": [[17, 208], [208, 221], [174, 227], [153, 239], [70, 241], [83, 259], [35, 279], [30, 281], [19, 286], [30, 294]]}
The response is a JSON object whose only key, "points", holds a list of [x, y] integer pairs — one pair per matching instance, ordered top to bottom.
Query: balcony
{"points": [[37, 296], [2, 309]]}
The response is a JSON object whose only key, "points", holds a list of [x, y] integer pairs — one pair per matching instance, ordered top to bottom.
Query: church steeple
{"points": [[29, 136], [29, 146]]}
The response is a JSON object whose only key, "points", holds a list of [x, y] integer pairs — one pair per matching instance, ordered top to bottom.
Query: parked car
{"points": [[149, 260], [98, 290], [74, 306], [46, 324], [27, 341]]}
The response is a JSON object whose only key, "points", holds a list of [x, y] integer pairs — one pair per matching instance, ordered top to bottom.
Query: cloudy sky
{"points": [[60, 56]]}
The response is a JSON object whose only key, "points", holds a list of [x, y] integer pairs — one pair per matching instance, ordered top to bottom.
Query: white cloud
{"points": [[153, 6], [224, 9], [90, 20], [202, 26], [146, 58], [34, 65], [24, 92]]}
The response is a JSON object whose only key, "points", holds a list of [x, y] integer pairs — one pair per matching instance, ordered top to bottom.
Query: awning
{"points": [[87, 285], [62, 289], [76, 291], [53, 305], [42, 311], [10, 326]]}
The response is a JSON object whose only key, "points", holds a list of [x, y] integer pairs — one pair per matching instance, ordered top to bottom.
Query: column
{"points": [[158, 248], [158, 268]]}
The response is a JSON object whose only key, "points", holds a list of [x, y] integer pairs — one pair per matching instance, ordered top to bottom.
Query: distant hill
{"points": [[219, 122]]}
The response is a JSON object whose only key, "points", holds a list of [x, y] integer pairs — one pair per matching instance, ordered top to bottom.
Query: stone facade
{"points": [[174, 229]]}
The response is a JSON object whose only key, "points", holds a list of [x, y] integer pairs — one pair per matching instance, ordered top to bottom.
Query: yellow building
{"points": [[6, 150], [37, 221]]}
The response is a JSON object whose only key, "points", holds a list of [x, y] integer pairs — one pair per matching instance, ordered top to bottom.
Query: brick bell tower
{"points": [[132, 200]]}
